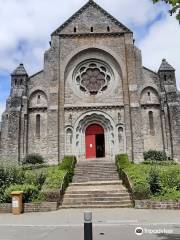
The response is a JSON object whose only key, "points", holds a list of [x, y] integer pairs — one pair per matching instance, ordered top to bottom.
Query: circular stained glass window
{"points": [[93, 76]]}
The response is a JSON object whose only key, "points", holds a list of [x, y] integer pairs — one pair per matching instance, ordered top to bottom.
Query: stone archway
{"points": [[79, 134]]}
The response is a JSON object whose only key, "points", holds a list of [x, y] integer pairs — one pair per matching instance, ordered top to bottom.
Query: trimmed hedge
{"points": [[154, 155], [33, 158], [122, 161]]}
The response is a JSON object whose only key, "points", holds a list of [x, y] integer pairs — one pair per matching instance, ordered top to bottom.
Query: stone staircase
{"points": [[96, 184]]}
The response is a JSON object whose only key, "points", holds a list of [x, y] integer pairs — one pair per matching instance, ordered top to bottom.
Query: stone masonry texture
{"points": [[92, 74]]}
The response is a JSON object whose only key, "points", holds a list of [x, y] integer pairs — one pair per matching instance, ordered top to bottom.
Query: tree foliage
{"points": [[175, 7]]}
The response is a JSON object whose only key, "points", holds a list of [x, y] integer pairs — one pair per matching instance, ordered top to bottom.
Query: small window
{"points": [[92, 29], [108, 29], [75, 30], [165, 77], [21, 81], [15, 82], [149, 96], [38, 99], [151, 123], [38, 125]]}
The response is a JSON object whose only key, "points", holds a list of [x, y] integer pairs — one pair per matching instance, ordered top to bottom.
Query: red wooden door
{"points": [[91, 133], [90, 146]]}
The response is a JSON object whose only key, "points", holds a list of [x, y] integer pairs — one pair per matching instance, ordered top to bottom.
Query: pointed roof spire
{"points": [[165, 66], [20, 70]]}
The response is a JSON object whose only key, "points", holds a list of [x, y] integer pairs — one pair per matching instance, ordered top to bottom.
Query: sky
{"points": [[26, 26]]}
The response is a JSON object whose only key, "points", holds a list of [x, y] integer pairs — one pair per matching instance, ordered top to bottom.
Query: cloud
{"points": [[33, 21], [26, 26], [162, 41]]}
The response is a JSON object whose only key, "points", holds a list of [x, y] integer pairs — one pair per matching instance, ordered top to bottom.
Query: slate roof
{"points": [[90, 3], [165, 66], [20, 70]]}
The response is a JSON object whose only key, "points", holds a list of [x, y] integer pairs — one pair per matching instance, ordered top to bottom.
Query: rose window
{"points": [[93, 77]]}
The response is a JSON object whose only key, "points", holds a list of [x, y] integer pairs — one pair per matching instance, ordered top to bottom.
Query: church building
{"points": [[93, 98]]}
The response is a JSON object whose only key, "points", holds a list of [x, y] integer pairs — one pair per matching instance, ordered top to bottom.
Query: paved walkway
{"points": [[108, 224]]}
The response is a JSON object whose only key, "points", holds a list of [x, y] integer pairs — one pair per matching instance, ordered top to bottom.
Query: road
{"points": [[108, 224]]}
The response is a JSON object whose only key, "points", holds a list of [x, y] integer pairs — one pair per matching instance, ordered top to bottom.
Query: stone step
{"points": [[96, 167], [95, 171], [96, 176], [91, 179], [81, 180], [97, 183], [96, 194], [95, 199], [105, 202], [97, 206]]}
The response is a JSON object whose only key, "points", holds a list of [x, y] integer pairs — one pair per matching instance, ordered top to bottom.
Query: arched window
{"points": [[75, 29], [108, 29], [92, 30], [15, 82], [38, 99], [151, 123], [38, 125]]}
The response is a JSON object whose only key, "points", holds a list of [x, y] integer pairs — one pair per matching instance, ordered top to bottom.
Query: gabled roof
{"points": [[90, 3], [165, 66], [20, 70]]}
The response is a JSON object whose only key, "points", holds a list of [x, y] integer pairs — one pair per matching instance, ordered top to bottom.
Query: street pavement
{"points": [[108, 224]]}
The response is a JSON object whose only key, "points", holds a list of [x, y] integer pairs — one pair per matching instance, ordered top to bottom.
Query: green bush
{"points": [[155, 155], [33, 159], [122, 161], [163, 163], [68, 164], [9, 175], [138, 176], [170, 177], [35, 178], [54, 178], [154, 181], [141, 189], [30, 192], [167, 194]]}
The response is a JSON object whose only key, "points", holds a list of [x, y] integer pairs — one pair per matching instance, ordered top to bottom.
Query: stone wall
{"points": [[133, 92], [148, 204], [31, 207]]}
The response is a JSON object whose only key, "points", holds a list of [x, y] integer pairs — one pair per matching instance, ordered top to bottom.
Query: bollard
{"points": [[17, 206], [88, 232]]}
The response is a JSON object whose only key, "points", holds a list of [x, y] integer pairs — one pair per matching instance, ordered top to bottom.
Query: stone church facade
{"points": [[93, 98]]}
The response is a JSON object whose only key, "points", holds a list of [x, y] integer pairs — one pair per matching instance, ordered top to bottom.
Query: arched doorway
{"points": [[95, 142]]}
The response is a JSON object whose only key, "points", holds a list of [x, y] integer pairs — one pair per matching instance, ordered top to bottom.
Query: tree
{"points": [[175, 7]]}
